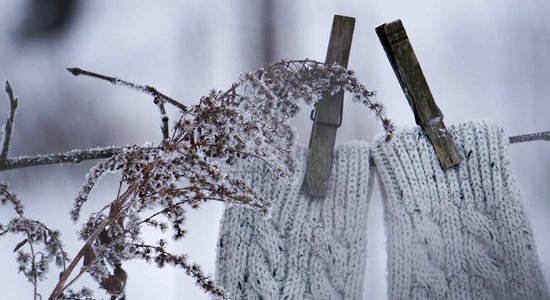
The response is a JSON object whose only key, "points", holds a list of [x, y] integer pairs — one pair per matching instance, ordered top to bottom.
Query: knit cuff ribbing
{"points": [[460, 233], [308, 248]]}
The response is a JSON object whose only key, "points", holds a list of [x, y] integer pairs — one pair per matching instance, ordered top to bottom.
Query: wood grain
{"points": [[328, 113], [427, 115]]}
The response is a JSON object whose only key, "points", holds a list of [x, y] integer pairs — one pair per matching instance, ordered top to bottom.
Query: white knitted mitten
{"points": [[461, 233], [308, 249]]}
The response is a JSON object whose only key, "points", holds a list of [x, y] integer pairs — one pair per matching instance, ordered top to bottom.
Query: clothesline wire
{"points": [[544, 136]]}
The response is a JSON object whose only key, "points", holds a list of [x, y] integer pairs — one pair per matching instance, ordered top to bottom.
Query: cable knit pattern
{"points": [[460, 233], [308, 248]]}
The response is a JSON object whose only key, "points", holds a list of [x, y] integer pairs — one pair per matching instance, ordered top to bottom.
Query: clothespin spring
{"points": [[313, 116]]}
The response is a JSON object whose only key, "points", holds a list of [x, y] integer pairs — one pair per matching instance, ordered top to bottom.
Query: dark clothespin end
{"points": [[327, 115], [427, 115]]}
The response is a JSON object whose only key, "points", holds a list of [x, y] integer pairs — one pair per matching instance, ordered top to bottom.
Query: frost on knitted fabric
{"points": [[460, 233], [308, 248]]}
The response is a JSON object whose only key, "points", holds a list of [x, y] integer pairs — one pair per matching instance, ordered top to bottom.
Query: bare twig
{"points": [[143, 88], [164, 118], [9, 122], [539, 136], [74, 156]]}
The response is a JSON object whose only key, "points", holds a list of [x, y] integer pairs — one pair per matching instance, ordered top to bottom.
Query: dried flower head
{"points": [[192, 164]]}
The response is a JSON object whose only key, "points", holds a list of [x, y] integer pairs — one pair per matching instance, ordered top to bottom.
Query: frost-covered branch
{"points": [[142, 88], [159, 98], [164, 117], [9, 123], [539, 136], [74, 156], [161, 257]]}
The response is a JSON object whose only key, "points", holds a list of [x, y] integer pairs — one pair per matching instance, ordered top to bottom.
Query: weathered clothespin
{"points": [[427, 115], [327, 116]]}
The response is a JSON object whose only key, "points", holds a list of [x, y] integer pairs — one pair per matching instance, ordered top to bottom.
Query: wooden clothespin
{"points": [[327, 114], [427, 115]]}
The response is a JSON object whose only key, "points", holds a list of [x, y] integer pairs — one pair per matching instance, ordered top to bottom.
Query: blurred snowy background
{"points": [[482, 59]]}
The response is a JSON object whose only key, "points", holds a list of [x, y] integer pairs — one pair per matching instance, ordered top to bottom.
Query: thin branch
{"points": [[117, 81], [164, 118], [9, 122], [539, 136], [74, 156], [156, 214], [57, 241], [34, 271], [64, 276], [204, 281], [61, 286]]}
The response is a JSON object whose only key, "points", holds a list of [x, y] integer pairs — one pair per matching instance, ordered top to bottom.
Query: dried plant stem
{"points": [[116, 81], [164, 118], [9, 123], [539, 136], [73, 156], [82, 252], [33, 269], [196, 273], [65, 274], [61, 286]]}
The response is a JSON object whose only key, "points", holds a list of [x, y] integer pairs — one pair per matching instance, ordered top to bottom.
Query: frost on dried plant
{"points": [[193, 163], [40, 246]]}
